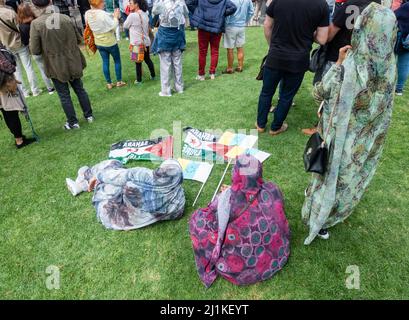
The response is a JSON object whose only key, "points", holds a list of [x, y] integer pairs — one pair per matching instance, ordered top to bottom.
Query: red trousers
{"points": [[204, 38]]}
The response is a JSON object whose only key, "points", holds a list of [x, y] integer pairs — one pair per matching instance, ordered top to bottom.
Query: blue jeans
{"points": [[105, 52], [403, 70], [290, 83]]}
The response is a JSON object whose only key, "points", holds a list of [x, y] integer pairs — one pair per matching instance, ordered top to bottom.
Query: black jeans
{"points": [[148, 61], [290, 83], [63, 91], [12, 121]]}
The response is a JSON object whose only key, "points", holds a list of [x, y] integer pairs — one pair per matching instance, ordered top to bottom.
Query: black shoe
{"points": [[26, 142], [323, 234]]}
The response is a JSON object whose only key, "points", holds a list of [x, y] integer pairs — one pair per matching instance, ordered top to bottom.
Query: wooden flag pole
{"points": [[221, 180], [198, 194]]}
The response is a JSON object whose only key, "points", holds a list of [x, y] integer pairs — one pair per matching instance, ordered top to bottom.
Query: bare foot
{"points": [[309, 131]]}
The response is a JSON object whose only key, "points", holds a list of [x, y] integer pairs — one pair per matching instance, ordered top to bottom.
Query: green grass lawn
{"points": [[41, 224]]}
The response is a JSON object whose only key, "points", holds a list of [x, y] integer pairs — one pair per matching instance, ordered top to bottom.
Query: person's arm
{"points": [[192, 5], [158, 8], [230, 8], [185, 10], [250, 11], [128, 21], [268, 28], [332, 32], [321, 35], [35, 41], [332, 80]]}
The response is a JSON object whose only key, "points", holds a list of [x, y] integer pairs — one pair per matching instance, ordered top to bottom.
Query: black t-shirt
{"points": [[344, 18], [295, 22]]}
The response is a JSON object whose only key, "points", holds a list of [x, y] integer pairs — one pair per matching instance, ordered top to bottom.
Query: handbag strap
{"points": [[9, 26], [143, 33]]}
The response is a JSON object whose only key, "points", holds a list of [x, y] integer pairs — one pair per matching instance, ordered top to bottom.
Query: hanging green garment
{"points": [[360, 92]]}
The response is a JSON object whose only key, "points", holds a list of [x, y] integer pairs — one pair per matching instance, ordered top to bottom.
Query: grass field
{"points": [[41, 224]]}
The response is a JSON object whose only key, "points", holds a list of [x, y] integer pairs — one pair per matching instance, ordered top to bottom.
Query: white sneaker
{"points": [[212, 76], [200, 78], [37, 93], [161, 94], [90, 119], [68, 126], [74, 187], [323, 234]]}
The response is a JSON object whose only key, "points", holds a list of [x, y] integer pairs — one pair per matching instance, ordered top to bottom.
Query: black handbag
{"points": [[260, 73], [316, 151], [316, 155]]}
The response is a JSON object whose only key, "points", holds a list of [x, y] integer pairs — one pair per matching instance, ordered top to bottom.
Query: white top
{"points": [[171, 13], [100, 21], [138, 25]]}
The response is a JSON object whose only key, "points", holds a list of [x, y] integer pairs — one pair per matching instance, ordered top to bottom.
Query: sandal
{"points": [[238, 69], [228, 71], [120, 84], [109, 86], [283, 128], [260, 130]]}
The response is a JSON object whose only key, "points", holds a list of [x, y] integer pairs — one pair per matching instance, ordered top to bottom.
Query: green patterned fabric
{"points": [[361, 94]]}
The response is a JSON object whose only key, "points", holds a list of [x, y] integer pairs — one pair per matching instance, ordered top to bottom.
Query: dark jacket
{"points": [[209, 15], [402, 16], [63, 59]]}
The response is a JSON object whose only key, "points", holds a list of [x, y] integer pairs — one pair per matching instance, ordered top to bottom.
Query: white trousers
{"points": [[24, 61], [40, 64], [171, 66]]}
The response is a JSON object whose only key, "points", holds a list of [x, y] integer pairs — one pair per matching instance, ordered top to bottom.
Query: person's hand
{"points": [[117, 13], [343, 54], [93, 182]]}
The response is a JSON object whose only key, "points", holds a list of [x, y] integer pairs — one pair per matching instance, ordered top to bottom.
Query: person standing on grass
{"points": [[123, 4], [63, 6], [83, 6], [111, 7], [258, 9], [402, 15], [25, 16], [208, 16], [138, 25], [103, 27], [290, 28], [340, 30], [235, 34], [339, 35], [10, 37], [170, 42], [63, 60], [11, 98], [358, 100]]}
